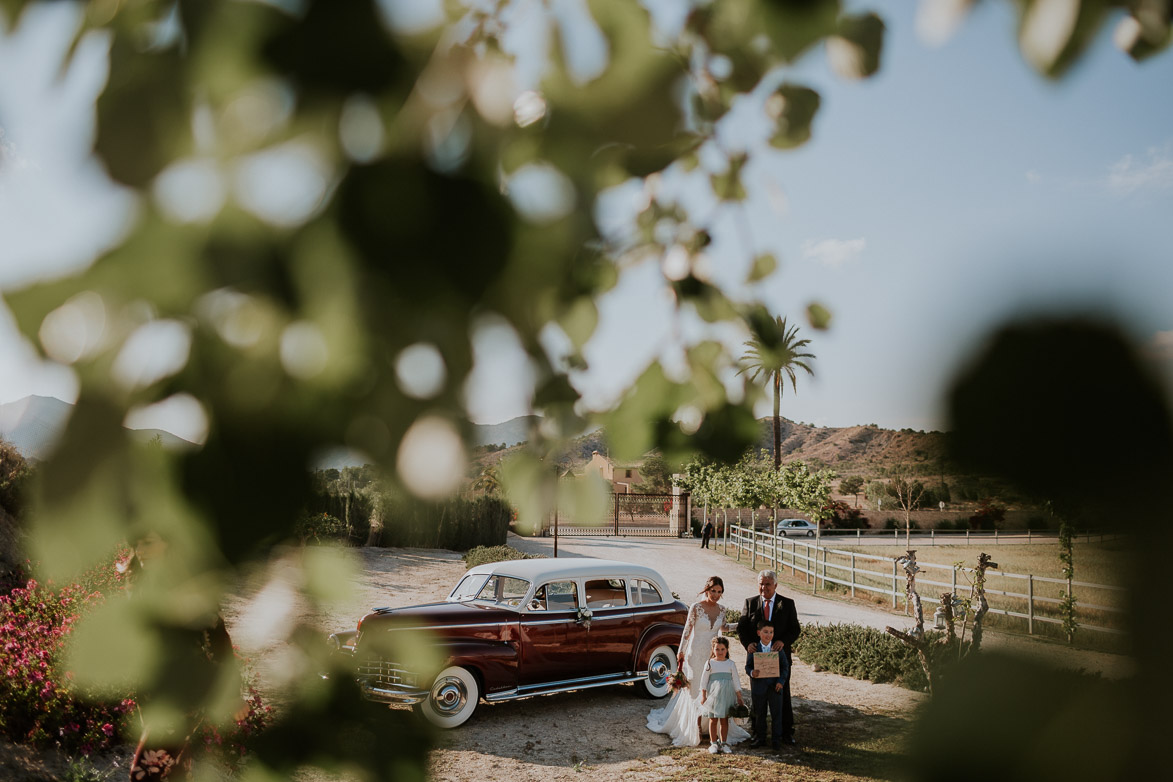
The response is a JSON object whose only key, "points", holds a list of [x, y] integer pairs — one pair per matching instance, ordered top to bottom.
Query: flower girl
{"points": [[720, 689]]}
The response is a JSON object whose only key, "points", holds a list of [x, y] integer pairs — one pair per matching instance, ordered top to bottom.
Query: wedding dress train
{"points": [[679, 718]]}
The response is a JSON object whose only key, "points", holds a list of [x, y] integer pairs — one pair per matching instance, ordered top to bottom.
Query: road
{"points": [[686, 565]]}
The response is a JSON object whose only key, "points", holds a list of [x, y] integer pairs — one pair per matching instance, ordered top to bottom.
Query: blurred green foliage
{"points": [[410, 228]]}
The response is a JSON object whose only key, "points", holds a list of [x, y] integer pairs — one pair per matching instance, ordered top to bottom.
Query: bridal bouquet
{"points": [[678, 680]]}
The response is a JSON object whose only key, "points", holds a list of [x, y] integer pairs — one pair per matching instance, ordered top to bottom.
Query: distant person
{"points": [[706, 533], [781, 614], [766, 691]]}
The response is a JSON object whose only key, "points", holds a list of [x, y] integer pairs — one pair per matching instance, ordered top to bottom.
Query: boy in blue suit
{"points": [[766, 690]]}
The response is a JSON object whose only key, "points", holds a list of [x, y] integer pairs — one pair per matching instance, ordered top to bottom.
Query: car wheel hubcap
{"points": [[658, 672], [449, 696]]}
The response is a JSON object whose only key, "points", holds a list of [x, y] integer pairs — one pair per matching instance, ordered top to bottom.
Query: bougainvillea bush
{"points": [[38, 704]]}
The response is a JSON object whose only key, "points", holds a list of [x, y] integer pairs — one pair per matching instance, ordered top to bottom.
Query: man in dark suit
{"points": [[781, 613]]}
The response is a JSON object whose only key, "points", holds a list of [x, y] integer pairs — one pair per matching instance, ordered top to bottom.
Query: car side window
{"points": [[504, 590], [606, 593], [645, 593], [555, 596]]}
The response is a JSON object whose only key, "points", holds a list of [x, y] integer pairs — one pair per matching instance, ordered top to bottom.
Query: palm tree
{"points": [[771, 353], [488, 481]]}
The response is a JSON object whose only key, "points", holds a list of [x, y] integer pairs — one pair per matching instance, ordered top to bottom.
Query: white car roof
{"points": [[571, 568]]}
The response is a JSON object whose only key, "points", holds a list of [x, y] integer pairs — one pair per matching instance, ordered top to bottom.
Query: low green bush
{"points": [[483, 555], [871, 654]]}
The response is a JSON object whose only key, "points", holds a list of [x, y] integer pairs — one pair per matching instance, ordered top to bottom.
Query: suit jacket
{"points": [[784, 618]]}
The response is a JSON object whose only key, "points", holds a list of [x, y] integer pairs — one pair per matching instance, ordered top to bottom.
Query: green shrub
{"points": [[894, 523], [457, 524], [313, 528], [482, 555], [866, 653]]}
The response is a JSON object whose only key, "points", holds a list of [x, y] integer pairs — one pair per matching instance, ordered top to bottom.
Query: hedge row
{"points": [[386, 519], [871, 654]]}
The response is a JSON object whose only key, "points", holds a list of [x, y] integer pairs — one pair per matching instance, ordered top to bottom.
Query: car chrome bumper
{"points": [[378, 694]]}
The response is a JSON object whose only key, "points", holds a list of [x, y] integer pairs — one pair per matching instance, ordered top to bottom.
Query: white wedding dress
{"points": [[679, 718]]}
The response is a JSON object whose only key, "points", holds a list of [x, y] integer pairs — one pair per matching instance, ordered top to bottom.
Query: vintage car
{"points": [[517, 629]]}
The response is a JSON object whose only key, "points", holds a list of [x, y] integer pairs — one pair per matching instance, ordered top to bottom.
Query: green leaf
{"points": [[795, 25], [1143, 34], [1049, 47], [855, 51], [793, 108], [144, 120], [728, 186], [763, 266], [818, 315], [579, 320], [528, 483], [584, 500]]}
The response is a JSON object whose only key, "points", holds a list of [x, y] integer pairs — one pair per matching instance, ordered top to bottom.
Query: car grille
{"points": [[386, 674]]}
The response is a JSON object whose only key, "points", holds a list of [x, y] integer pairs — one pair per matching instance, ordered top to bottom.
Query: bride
{"points": [[681, 718]]}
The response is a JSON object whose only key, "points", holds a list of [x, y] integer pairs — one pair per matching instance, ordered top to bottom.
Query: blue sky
{"points": [[951, 191], [948, 193]]}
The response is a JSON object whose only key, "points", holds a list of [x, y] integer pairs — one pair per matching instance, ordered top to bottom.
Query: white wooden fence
{"points": [[858, 572]]}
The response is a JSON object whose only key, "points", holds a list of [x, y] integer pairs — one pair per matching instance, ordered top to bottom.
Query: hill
{"points": [[34, 424], [511, 432], [854, 449]]}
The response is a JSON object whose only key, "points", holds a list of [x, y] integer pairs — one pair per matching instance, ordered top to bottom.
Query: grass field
{"points": [[1096, 585]]}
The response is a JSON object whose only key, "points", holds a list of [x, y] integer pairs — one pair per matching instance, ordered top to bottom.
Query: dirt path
{"points": [[593, 735]]}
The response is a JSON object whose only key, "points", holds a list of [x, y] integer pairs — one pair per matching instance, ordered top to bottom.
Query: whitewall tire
{"points": [[661, 666], [453, 699]]}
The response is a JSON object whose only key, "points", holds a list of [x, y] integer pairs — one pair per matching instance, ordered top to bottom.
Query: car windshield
{"points": [[467, 588], [503, 590]]}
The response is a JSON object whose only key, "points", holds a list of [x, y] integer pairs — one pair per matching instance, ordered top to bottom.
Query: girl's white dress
{"points": [[722, 683], [679, 718]]}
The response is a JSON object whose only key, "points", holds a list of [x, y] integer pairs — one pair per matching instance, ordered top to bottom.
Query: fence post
{"points": [[995, 534], [1028, 534], [858, 536], [967, 536], [933, 537], [737, 542], [753, 549], [823, 551], [777, 564], [853, 574], [893, 585], [954, 586], [1030, 604]]}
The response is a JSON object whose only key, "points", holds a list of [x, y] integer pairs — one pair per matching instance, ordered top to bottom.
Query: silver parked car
{"points": [[795, 527]]}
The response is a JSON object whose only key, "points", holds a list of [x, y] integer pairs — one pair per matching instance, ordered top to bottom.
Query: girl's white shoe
{"points": [[714, 748], [728, 750]]}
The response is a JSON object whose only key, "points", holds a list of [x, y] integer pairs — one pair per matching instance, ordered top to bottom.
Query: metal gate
{"points": [[635, 515]]}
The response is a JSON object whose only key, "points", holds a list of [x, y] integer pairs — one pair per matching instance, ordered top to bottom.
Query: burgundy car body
{"points": [[522, 628]]}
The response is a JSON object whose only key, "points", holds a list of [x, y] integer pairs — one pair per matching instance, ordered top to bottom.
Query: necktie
{"points": [[769, 605]]}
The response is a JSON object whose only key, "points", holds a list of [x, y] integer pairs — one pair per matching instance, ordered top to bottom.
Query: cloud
{"points": [[1153, 171], [1034, 177], [833, 252]]}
